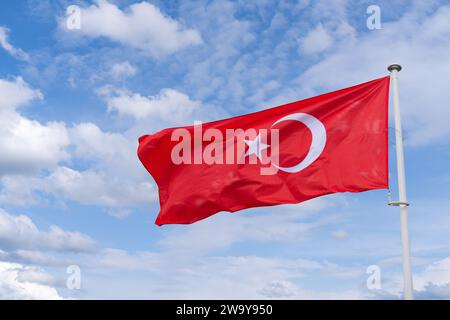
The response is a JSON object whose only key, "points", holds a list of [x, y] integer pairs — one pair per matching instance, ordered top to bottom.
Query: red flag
{"points": [[336, 142]]}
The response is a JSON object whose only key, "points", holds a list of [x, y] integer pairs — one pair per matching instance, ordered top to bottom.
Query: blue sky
{"points": [[74, 102]]}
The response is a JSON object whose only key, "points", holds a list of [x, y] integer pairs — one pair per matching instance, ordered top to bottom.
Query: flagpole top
{"points": [[395, 66]]}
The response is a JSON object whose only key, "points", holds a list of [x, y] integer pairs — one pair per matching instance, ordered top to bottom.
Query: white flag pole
{"points": [[403, 202]]}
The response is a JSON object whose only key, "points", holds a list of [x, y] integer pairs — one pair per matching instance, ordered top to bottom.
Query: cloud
{"points": [[141, 25], [317, 40], [8, 47], [371, 52], [250, 53], [123, 70], [220, 71], [16, 93], [169, 105], [149, 114], [27, 145], [109, 151], [114, 178], [99, 188], [19, 190], [287, 224], [19, 232], [340, 234], [35, 257], [111, 258], [35, 275], [434, 275], [165, 276], [240, 277], [431, 279], [18, 282], [279, 289], [434, 292]]}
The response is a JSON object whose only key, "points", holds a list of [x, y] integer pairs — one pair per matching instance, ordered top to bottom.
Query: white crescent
{"points": [[319, 139]]}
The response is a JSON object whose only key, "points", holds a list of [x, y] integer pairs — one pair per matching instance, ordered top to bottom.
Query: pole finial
{"points": [[395, 66]]}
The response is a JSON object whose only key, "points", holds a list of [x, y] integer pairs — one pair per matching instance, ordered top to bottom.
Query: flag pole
{"points": [[394, 69]]}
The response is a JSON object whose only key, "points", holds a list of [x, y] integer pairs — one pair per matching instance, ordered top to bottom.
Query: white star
{"points": [[256, 147]]}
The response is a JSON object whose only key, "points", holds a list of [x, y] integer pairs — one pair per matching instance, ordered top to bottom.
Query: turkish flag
{"points": [[335, 142]]}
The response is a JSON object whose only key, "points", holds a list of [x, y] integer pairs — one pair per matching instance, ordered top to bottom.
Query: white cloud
{"points": [[141, 25], [317, 40], [8, 47], [234, 68], [123, 70], [221, 70], [423, 82], [16, 93], [169, 105], [149, 114], [27, 145], [112, 151], [115, 180], [99, 188], [18, 190], [225, 229], [19, 232], [340, 234], [35, 257], [120, 259], [183, 265], [343, 272], [437, 274], [172, 275], [37, 276], [169, 277], [235, 277], [242, 277], [431, 281], [18, 282], [279, 289], [432, 291]]}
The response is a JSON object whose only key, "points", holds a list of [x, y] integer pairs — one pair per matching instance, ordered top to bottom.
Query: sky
{"points": [[73, 102]]}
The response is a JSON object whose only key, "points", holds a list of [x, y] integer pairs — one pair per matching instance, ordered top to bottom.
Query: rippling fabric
{"points": [[335, 142]]}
